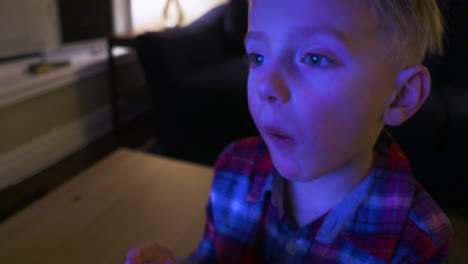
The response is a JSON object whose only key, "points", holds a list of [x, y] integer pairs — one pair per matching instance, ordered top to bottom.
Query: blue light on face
{"points": [[255, 59], [259, 59], [313, 59], [317, 60]]}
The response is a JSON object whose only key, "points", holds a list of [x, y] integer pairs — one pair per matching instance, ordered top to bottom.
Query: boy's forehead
{"points": [[334, 17], [301, 31]]}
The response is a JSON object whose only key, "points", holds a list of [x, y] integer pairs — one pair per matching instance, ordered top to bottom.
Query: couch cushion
{"points": [[235, 20], [227, 75], [205, 110]]}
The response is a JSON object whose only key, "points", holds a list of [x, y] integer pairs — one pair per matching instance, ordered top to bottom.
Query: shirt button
{"points": [[292, 247]]}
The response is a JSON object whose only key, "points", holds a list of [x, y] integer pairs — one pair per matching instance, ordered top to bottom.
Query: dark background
{"points": [[85, 19]]}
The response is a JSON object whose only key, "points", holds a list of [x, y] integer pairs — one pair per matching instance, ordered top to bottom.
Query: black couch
{"points": [[197, 77]]}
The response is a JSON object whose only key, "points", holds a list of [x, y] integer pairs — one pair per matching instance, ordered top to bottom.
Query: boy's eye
{"points": [[255, 59], [316, 60]]}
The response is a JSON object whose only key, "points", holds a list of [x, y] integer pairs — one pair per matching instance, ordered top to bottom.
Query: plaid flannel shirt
{"points": [[388, 218]]}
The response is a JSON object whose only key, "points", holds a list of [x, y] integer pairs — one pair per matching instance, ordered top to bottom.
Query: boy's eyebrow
{"points": [[319, 30], [324, 30], [254, 35]]}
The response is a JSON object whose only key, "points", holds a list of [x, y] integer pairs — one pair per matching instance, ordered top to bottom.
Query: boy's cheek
{"points": [[252, 99], [253, 109]]}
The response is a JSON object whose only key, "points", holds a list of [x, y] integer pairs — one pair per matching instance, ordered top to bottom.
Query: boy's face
{"points": [[319, 83]]}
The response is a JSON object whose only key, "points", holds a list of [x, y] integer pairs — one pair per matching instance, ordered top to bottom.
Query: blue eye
{"points": [[255, 59], [316, 60]]}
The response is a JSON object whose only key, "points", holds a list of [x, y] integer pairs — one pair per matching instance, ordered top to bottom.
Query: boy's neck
{"points": [[306, 201]]}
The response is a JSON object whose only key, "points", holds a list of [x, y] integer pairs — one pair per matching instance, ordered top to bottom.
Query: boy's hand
{"points": [[149, 253]]}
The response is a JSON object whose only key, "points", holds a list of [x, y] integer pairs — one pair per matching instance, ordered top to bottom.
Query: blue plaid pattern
{"points": [[389, 218]]}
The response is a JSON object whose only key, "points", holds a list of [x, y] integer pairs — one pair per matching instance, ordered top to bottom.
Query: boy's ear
{"points": [[413, 85]]}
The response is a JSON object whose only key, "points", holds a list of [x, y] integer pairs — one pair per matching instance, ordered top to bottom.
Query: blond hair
{"points": [[413, 27]]}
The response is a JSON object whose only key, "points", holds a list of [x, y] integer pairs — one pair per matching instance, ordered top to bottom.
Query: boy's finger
{"points": [[146, 252], [139, 255], [133, 256], [130, 257], [169, 261]]}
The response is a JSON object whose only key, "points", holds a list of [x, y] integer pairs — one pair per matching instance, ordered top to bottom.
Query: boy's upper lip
{"points": [[274, 130]]}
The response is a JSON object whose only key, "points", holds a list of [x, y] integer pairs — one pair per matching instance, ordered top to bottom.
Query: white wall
{"points": [[27, 26]]}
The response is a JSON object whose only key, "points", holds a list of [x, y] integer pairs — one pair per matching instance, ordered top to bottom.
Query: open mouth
{"points": [[278, 137]]}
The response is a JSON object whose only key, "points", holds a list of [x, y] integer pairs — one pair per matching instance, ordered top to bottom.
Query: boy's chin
{"points": [[287, 167], [291, 169]]}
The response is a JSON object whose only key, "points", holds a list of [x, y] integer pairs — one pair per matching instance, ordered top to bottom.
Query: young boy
{"points": [[326, 183]]}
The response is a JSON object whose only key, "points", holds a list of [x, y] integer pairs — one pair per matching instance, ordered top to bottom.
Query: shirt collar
{"points": [[389, 200], [340, 215]]}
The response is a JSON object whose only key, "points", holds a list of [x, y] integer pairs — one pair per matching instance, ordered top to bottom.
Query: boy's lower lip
{"points": [[281, 141]]}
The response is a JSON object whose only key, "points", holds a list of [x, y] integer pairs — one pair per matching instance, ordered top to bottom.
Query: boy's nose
{"points": [[272, 88]]}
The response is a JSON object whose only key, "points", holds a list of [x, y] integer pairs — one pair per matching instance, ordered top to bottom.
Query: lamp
{"points": [[149, 15], [178, 15]]}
